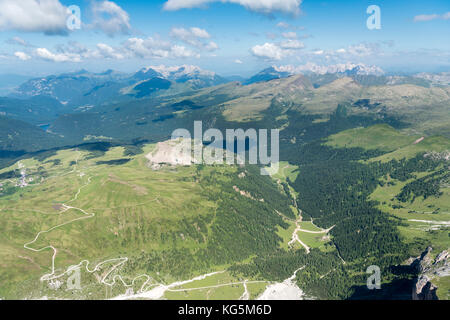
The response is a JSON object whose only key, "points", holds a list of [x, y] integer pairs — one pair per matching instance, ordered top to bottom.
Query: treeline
{"points": [[403, 170], [425, 187]]}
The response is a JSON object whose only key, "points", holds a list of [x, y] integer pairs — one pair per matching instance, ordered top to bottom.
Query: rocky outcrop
{"points": [[172, 152], [428, 269]]}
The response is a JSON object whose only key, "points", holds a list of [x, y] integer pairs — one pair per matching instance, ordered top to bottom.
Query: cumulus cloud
{"points": [[261, 6], [45, 16], [429, 17], [110, 18], [200, 33], [190, 36], [195, 37], [212, 46], [147, 48], [155, 48], [77, 51], [268, 51], [277, 51], [108, 52], [182, 52], [22, 55], [47, 55], [238, 61]]}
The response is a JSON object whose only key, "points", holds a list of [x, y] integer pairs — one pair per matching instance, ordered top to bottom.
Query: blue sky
{"points": [[231, 37]]}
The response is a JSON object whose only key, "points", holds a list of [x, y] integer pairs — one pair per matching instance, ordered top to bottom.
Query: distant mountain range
{"points": [[342, 68], [193, 75], [267, 75], [66, 87], [87, 88], [40, 101]]}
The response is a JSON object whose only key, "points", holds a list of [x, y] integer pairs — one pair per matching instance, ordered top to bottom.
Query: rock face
{"points": [[172, 152], [427, 270]]}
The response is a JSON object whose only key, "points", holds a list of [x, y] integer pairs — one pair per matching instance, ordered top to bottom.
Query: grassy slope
{"points": [[426, 109], [381, 137], [434, 143], [135, 209]]}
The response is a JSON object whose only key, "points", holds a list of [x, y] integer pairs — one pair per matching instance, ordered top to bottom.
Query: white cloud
{"points": [[261, 6], [46, 16], [429, 17], [117, 21], [200, 33], [189, 34], [289, 35], [194, 37], [212, 46], [147, 48], [154, 48], [342, 50], [77, 51], [269, 51], [277, 51], [108, 52], [182, 52], [318, 52], [45, 54], [22, 55], [238, 61], [177, 72]]}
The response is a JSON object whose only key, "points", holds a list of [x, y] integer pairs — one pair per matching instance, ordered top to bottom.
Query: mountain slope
{"points": [[267, 75], [66, 88], [35, 110], [17, 135], [179, 230]]}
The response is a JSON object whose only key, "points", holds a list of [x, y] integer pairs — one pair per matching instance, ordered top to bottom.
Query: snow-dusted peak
{"points": [[350, 68], [176, 72]]}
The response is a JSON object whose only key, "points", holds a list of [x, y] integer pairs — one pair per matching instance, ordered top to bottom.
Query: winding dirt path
{"points": [[147, 290]]}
